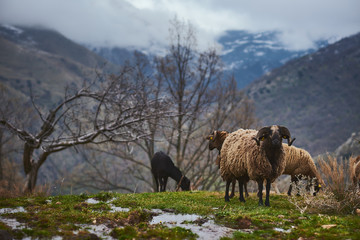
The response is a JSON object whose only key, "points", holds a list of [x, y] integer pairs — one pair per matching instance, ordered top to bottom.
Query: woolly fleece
{"points": [[241, 157], [300, 162]]}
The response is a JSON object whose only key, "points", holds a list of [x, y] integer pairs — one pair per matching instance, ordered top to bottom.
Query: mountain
{"points": [[245, 54], [115, 55], [250, 55], [44, 61], [316, 96], [351, 147]]}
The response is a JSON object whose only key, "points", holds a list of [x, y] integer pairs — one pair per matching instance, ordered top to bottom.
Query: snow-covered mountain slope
{"points": [[246, 55], [250, 55]]}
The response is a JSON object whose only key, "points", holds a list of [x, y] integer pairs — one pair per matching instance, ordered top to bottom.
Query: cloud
{"points": [[145, 23]]}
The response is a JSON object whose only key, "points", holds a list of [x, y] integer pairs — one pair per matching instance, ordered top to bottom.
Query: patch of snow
{"points": [[16, 30], [224, 52], [259, 54], [234, 65], [92, 201], [113, 208], [118, 209], [11, 210], [12, 223], [100, 230], [208, 230], [283, 230]]}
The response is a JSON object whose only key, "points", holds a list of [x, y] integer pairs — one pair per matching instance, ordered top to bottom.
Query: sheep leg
{"points": [[161, 180], [165, 182], [157, 184], [241, 184], [268, 186], [297, 186], [233, 189], [260, 189], [290, 189], [246, 191], [227, 199]]}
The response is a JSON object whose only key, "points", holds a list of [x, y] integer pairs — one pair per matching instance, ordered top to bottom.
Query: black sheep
{"points": [[163, 167]]}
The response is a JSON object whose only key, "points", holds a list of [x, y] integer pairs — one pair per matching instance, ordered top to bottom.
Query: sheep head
{"points": [[275, 134], [216, 139], [185, 184], [317, 187]]}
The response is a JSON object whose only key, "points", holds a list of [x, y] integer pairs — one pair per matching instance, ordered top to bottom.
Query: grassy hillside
{"points": [[45, 61], [316, 96], [155, 215]]}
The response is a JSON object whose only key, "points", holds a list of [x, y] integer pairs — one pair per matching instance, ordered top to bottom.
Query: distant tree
{"points": [[115, 113]]}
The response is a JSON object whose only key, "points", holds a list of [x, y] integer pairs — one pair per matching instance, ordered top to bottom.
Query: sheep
{"points": [[216, 140], [254, 155], [300, 164], [163, 167], [355, 170]]}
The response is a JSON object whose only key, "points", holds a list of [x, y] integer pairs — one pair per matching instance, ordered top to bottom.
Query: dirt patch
{"points": [[243, 223]]}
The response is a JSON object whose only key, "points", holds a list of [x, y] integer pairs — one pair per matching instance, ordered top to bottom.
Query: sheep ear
{"points": [[215, 134]]}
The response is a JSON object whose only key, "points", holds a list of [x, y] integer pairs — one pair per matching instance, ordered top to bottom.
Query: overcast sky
{"points": [[145, 23]]}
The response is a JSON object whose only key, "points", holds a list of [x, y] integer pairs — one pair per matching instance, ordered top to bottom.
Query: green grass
{"points": [[61, 215]]}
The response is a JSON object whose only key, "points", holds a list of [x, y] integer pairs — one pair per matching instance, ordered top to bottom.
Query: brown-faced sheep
{"points": [[216, 140], [256, 155], [299, 164], [163, 167], [355, 170]]}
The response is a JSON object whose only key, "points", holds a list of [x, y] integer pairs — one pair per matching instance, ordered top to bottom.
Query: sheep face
{"points": [[272, 136], [216, 139], [185, 184]]}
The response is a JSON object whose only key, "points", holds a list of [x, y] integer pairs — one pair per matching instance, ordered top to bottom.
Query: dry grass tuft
{"points": [[338, 196]]}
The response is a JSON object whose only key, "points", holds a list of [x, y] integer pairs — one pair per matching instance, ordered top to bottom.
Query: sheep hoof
{"points": [[232, 195], [227, 199], [241, 200], [261, 204]]}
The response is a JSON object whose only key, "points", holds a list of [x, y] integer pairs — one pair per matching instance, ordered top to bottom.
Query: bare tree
{"points": [[202, 99], [115, 113], [129, 159]]}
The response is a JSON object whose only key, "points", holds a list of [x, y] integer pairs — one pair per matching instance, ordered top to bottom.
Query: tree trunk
{"points": [[31, 175], [31, 178]]}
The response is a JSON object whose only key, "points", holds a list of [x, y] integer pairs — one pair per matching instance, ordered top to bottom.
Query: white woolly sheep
{"points": [[216, 140], [256, 155], [299, 164], [355, 170]]}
